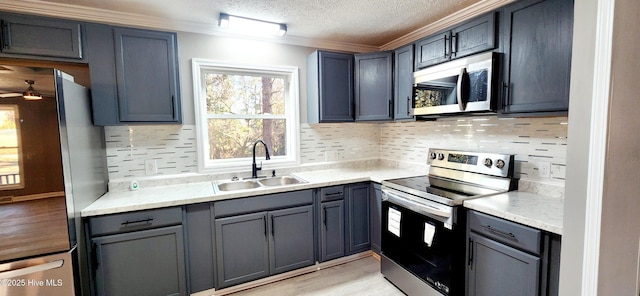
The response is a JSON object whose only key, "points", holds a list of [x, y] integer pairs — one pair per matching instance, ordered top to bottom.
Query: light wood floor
{"points": [[359, 277]]}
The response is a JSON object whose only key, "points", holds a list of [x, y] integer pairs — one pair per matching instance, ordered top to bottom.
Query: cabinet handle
{"points": [[6, 37], [446, 38], [454, 44], [507, 91], [408, 105], [390, 109], [333, 194], [324, 217], [264, 220], [143, 221], [273, 232], [507, 235], [94, 258], [470, 262]]}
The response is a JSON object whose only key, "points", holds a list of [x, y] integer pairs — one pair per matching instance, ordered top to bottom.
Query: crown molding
{"points": [[59, 10], [464, 14]]}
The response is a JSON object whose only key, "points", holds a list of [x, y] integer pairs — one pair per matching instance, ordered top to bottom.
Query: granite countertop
{"points": [[189, 193], [535, 210], [538, 211]]}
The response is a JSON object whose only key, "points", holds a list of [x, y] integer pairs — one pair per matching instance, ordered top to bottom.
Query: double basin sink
{"points": [[257, 183]]}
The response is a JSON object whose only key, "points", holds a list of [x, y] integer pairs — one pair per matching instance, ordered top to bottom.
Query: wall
{"points": [[173, 147], [620, 226]]}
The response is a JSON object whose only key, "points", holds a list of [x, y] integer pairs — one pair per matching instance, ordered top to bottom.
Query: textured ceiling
{"points": [[363, 22]]}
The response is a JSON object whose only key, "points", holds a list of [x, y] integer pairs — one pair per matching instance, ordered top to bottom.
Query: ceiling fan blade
{"points": [[10, 95]]}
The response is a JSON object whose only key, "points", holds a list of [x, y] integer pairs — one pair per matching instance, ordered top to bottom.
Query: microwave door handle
{"points": [[461, 95]]}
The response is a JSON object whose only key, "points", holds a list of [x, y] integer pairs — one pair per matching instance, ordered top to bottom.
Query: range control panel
{"points": [[494, 164]]}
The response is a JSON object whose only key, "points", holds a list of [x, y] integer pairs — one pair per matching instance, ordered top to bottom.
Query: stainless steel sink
{"points": [[280, 181], [257, 183], [237, 185]]}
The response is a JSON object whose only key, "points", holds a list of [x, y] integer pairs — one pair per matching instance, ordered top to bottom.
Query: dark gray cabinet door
{"points": [[38, 36], [474, 36], [537, 40], [433, 50], [146, 67], [403, 83], [374, 86], [329, 87], [376, 217], [331, 230], [358, 232], [291, 243], [200, 248], [242, 249], [148, 262], [497, 269]]}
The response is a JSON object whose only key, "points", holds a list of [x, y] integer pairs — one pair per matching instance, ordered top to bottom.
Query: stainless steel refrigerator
{"points": [[52, 165]]}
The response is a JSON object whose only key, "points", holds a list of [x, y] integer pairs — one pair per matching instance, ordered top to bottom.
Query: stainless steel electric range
{"points": [[423, 223]]}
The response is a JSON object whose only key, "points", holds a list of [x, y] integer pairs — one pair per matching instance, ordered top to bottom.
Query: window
{"points": [[237, 105], [10, 148]]}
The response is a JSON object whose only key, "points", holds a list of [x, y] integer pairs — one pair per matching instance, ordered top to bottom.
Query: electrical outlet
{"points": [[150, 167], [544, 169], [558, 171]]}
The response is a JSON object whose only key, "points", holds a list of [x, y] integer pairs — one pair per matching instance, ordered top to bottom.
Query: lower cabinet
{"points": [[375, 216], [357, 228], [331, 230], [253, 245], [506, 258], [139, 261], [498, 269]]}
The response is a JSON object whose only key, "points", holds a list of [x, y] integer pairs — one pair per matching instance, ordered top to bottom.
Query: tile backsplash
{"points": [[536, 142]]}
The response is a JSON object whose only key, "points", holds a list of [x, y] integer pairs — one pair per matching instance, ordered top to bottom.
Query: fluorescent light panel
{"points": [[251, 26]]}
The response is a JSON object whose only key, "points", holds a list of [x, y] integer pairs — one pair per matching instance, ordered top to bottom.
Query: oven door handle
{"points": [[389, 196]]}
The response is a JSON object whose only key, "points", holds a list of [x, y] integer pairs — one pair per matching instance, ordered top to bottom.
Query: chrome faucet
{"points": [[255, 168]]}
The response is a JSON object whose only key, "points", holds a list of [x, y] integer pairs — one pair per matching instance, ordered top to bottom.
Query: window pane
{"points": [[244, 94], [234, 138], [9, 151]]}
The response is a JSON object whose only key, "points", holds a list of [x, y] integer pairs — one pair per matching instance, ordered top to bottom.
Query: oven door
{"points": [[422, 246]]}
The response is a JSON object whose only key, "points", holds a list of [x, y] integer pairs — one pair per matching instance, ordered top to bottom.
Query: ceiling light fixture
{"points": [[251, 26], [30, 93]]}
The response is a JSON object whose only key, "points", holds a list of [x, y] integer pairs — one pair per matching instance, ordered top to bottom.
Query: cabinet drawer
{"points": [[332, 193], [262, 203], [135, 221], [513, 234]]}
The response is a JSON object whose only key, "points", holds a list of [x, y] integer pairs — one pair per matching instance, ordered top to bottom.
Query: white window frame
{"points": [[292, 117]]}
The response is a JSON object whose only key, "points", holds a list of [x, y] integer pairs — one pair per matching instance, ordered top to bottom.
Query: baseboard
{"points": [[287, 275]]}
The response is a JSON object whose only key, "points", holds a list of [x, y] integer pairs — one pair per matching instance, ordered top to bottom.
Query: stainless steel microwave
{"points": [[464, 85]]}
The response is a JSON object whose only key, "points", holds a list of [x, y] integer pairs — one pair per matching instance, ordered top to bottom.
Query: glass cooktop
{"points": [[420, 186]]}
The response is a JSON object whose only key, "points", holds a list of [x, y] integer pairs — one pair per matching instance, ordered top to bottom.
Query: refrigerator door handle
{"points": [[31, 269]]}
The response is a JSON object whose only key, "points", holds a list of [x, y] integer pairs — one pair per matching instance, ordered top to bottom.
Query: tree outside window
{"points": [[238, 105]]}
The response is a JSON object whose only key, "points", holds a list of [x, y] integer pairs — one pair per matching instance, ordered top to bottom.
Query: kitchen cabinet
{"points": [[26, 36], [474, 36], [537, 38], [134, 75], [403, 83], [374, 86], [330, 90], [375, 218], [331, 224], [358, 227], [261, 236], [199, 245], [140, 253], [506, 258]]}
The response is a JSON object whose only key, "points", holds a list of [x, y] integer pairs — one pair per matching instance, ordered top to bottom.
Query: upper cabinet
{"points": [[26, 36], [474, 36], [537, 38], [134, 75], [403, 82], [374, 86], [329, 87]]}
